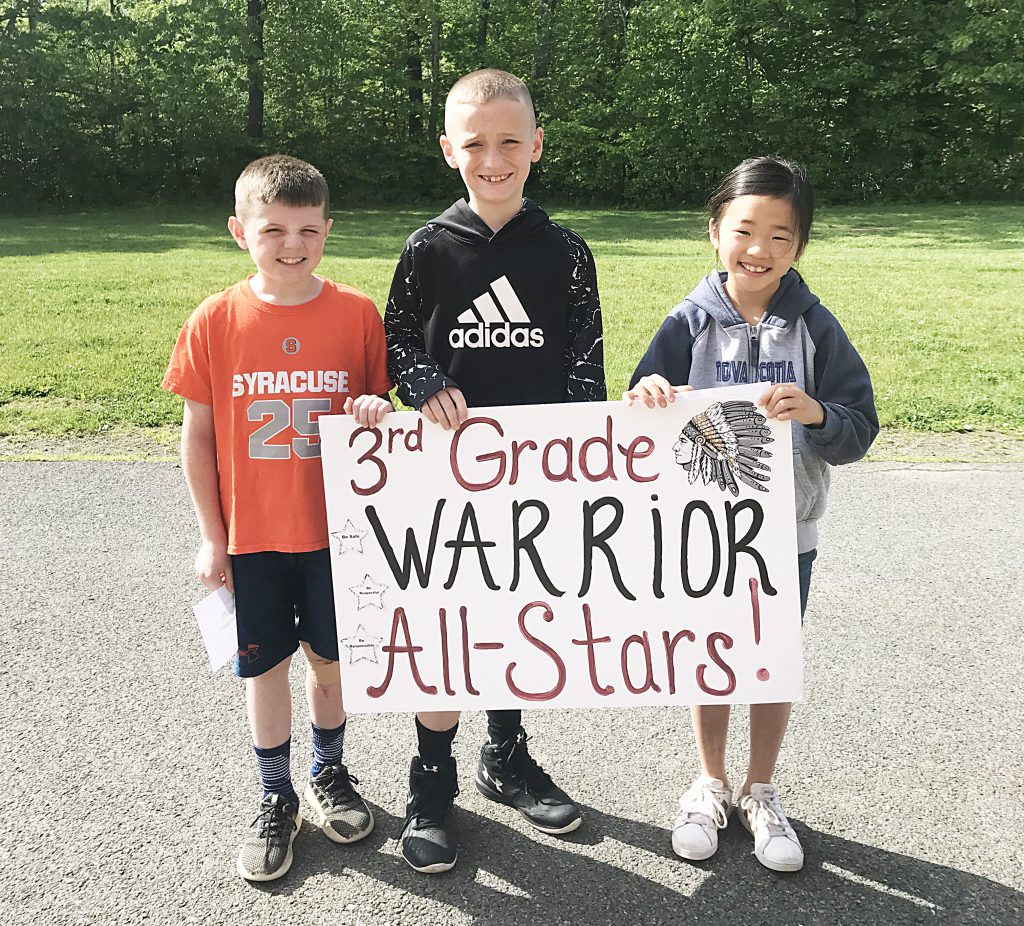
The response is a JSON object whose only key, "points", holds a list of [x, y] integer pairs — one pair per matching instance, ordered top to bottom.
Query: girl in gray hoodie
{"points": [[756, 321]]}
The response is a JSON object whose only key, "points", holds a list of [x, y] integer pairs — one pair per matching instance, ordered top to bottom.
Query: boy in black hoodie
{"points": [[492, 303]]}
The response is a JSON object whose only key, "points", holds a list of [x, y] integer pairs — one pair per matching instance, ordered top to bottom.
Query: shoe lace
{"points": [[525, 767], [338, 785], [433, 797], [711, 803], [767, 812], [273, 821]]}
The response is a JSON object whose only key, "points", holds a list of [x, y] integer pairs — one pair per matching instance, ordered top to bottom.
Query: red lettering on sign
{"points": [[605, 443], [517, 450], [632, 452], [370, 457], [481, 458], [558, 459], [566, 475], [713, 640], [589, 641], [645, 643], [406, 649], [670, 653], [445, 669], [556, 689]]}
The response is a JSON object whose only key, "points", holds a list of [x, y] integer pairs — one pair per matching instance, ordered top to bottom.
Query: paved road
{"points": [[128, 776]]}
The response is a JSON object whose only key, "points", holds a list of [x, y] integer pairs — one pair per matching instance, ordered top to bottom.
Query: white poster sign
{"points": [[584, 555]]}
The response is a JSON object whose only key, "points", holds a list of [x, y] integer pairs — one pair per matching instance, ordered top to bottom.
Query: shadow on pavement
{"points": [[504, 876]]}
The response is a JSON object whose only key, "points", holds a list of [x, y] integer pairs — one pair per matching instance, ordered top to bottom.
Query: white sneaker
{"points": [[703, 811], [775, 843]]}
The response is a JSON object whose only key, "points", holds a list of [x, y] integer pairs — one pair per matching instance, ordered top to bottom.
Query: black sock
{"points": [[503, 725], [435, 745]]}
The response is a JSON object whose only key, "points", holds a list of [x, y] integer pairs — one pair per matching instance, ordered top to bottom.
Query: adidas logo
{"points": [[485, 326]]}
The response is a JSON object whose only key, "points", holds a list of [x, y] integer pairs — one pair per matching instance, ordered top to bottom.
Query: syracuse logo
{"points": [[484, 325]]}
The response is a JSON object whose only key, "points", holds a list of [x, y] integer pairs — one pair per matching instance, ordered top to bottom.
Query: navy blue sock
{"points": [[328, 746], [276, 772]]}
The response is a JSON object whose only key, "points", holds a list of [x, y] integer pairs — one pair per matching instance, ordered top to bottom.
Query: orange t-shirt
{"points": [[270, 371]]}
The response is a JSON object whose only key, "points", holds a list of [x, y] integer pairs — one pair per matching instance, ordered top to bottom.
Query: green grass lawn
{"points": [[90, 303]]}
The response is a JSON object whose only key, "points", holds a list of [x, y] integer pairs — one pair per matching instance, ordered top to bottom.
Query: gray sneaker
{"points": [[337, 807], [268, 854]]}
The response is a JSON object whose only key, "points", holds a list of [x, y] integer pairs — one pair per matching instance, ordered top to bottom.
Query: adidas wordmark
{"points": [[485, 326]]}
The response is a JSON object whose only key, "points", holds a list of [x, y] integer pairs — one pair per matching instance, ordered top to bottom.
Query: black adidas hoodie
{"points": [[509, 317]]}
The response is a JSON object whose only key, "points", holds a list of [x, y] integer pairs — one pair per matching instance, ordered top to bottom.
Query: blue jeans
{"points": [[804, 565]]}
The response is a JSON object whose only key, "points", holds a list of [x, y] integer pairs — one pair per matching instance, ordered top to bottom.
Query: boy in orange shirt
{"points": [[257, 365]]}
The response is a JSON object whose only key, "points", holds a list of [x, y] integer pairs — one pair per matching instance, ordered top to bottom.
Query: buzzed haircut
{"points": [[489, 84], [279, 178]]}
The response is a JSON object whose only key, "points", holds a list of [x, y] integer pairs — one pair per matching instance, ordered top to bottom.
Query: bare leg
{"points": [[323, 691], [268, 701], [439, 721], [768, 724], [711, 729]]}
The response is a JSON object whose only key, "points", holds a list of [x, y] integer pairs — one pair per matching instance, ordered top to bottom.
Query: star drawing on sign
{"points": [[350, 538], [369, 594], [361, 645]]}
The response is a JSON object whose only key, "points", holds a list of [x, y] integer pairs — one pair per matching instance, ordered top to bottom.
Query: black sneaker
{"points": [[508, 774], [337, 807], [428, 843], [268, 854]]}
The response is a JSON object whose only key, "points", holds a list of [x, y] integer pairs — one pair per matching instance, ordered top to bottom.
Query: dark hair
{"points": [[768, 177], [279, 178]]}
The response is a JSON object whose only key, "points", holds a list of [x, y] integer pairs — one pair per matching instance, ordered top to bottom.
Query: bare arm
{"points": [[199, 461]]}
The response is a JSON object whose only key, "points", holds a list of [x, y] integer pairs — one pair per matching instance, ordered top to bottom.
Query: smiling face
{"points": [[492, 145], [286, 243], [757, 243]]}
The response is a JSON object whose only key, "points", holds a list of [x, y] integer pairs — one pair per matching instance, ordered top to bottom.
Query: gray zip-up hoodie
{"points": [[705, 342]]}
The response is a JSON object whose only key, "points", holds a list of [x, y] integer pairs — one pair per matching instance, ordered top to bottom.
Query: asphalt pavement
{"points": [[129, 778]]}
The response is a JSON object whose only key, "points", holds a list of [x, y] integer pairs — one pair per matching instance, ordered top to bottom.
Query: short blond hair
{"points": [[489, 84], [279, 178]]}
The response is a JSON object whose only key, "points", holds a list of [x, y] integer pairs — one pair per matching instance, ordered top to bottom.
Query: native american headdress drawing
{"points": [[725, 443]]}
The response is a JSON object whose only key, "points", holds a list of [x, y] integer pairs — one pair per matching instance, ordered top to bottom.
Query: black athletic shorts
{"points": [[280, 599]]}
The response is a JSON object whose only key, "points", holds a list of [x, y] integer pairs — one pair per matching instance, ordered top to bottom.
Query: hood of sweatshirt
{"points": [[460, 221], [790, 301]]}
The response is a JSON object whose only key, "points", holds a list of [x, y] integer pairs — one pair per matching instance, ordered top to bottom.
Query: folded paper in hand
{"points": [[216, 617]]}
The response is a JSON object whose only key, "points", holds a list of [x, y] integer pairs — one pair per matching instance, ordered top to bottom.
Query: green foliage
{"points": [[106, 101], [90, 303]]}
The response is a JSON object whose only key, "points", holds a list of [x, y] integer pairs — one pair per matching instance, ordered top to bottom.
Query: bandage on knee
{"points": [[326, 673]]}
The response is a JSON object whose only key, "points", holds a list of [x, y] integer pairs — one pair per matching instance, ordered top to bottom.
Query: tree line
{"points": [[643, 103]]}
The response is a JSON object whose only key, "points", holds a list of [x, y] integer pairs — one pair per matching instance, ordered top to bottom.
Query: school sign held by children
{"points": [[594, 556]]}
